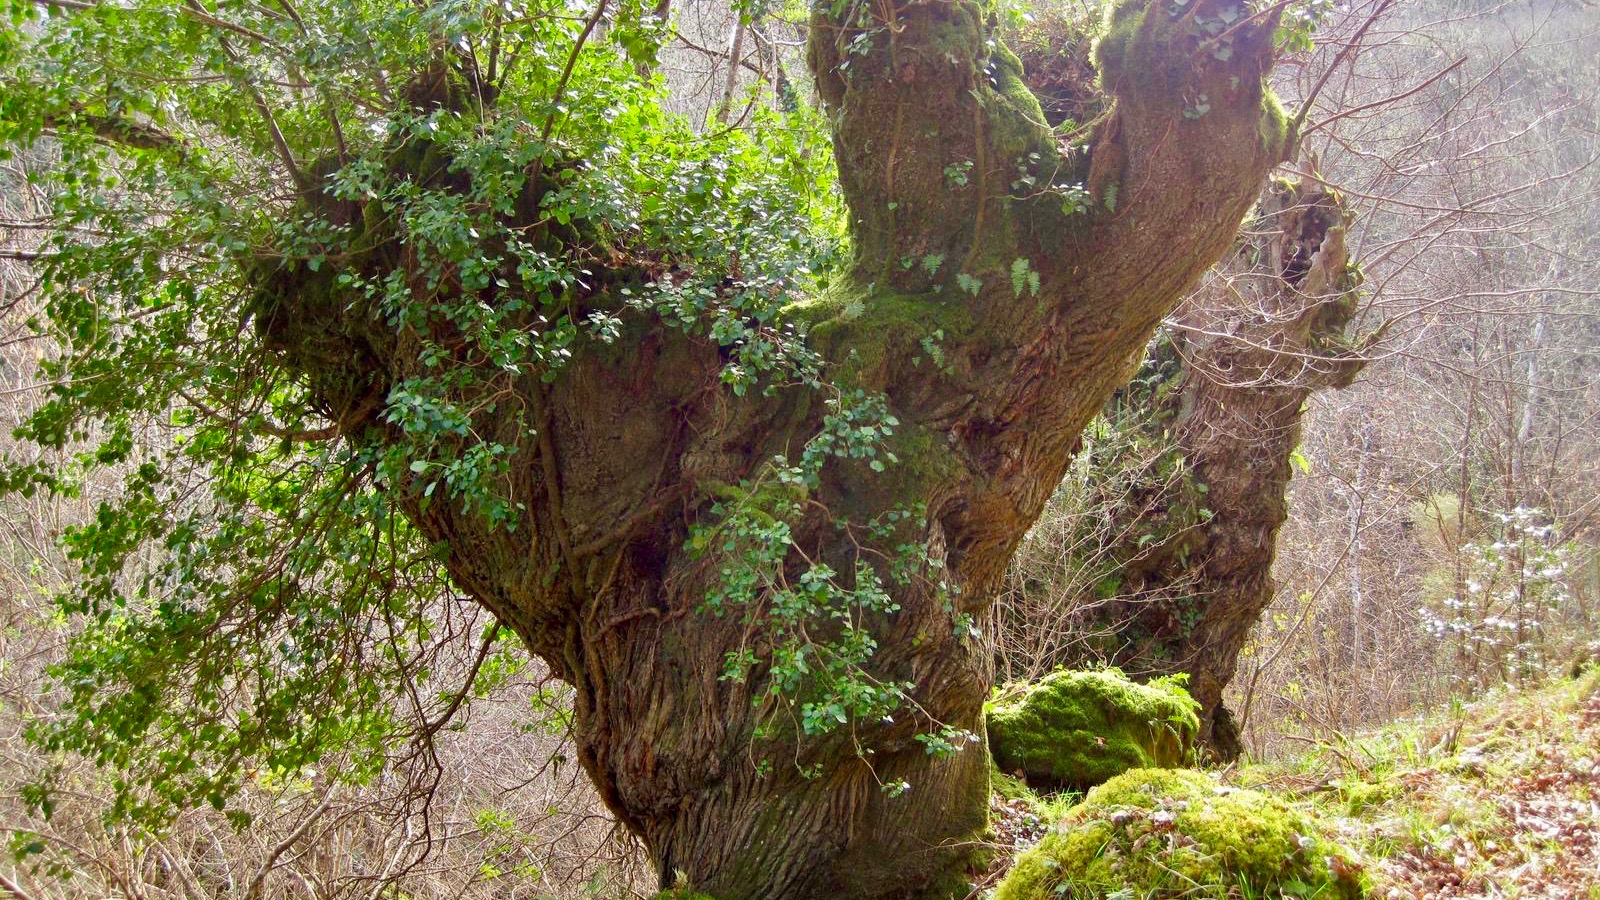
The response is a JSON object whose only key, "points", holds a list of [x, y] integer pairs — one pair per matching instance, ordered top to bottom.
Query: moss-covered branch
{"points": [[930, 123]]}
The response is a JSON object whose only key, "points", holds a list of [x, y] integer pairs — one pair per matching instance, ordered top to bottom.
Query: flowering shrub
{"points": [[1508, 593]]}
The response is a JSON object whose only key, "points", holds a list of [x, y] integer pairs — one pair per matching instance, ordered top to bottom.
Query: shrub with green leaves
{"points": [[258, 192], [1074, 730], [1156, 833]]}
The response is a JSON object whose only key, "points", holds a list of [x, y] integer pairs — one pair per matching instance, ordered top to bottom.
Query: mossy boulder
{"points": [[1074, 730], [1007, 787], [1165, 833]]}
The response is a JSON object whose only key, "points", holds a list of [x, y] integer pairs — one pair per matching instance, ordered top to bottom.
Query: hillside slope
{"points": [[1496, 799]]}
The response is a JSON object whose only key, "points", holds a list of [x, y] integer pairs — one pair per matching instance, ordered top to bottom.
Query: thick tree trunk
{"points": [[1247, 352], [629, 449]]}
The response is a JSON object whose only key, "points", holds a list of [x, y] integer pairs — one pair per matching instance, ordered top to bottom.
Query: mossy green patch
{"points": [[1122, 25], [1024, 127], [1277, 130], [862, 328], [1078, 729], [1009, 787], [1361, 795], [1046, 807], [1163, 833]]}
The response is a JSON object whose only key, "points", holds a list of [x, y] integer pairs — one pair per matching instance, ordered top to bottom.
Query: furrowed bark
{"points": [[599, 582]]}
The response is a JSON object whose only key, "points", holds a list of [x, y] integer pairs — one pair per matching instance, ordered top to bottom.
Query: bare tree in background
{"points": [[1465, 140], [1464, 213], [1187, 551]]}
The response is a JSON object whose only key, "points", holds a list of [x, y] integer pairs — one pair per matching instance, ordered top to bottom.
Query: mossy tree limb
{"points": [[1169, 175]]}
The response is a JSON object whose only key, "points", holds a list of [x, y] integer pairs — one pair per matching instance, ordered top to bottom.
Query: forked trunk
{"points": [[990, 311]]}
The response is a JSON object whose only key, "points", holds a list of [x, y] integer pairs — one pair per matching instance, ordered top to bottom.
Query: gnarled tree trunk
{"points": [[1245, 354], [629, 448]]}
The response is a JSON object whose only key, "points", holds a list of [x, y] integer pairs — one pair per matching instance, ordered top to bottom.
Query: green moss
{"points": [[1123, 22], [956, 35], [1055, 46], [1133, 53], [1145, 55], [1275, 126], [1023, 129], [863, 328], [1077, 729], [1009, 787], [1362, 795], [1044, 807], [1176, 833], [682, 894]]}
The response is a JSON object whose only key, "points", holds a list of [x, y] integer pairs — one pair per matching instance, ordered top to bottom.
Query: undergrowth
{"points": [[1497, 798]]}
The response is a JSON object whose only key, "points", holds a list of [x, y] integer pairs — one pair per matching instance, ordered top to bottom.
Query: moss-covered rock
{"points": [[1074, 730], [1165, 833]]}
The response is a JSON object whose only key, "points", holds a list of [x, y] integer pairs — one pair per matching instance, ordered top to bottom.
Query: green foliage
{"points": [[1299, 24], [1024, 279], [252, 598], [818, 621], [1078, 729], [1155, 833]]}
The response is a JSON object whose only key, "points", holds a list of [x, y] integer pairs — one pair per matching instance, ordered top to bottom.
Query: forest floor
{"points": [[1496, 799]]}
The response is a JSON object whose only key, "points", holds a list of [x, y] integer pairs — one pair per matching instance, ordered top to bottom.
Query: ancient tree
{"points": [[1220, 397], [758, 576]]}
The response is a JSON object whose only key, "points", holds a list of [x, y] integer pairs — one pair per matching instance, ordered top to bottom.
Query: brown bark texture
{"points": [[1229, 391], [632, 446]]}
